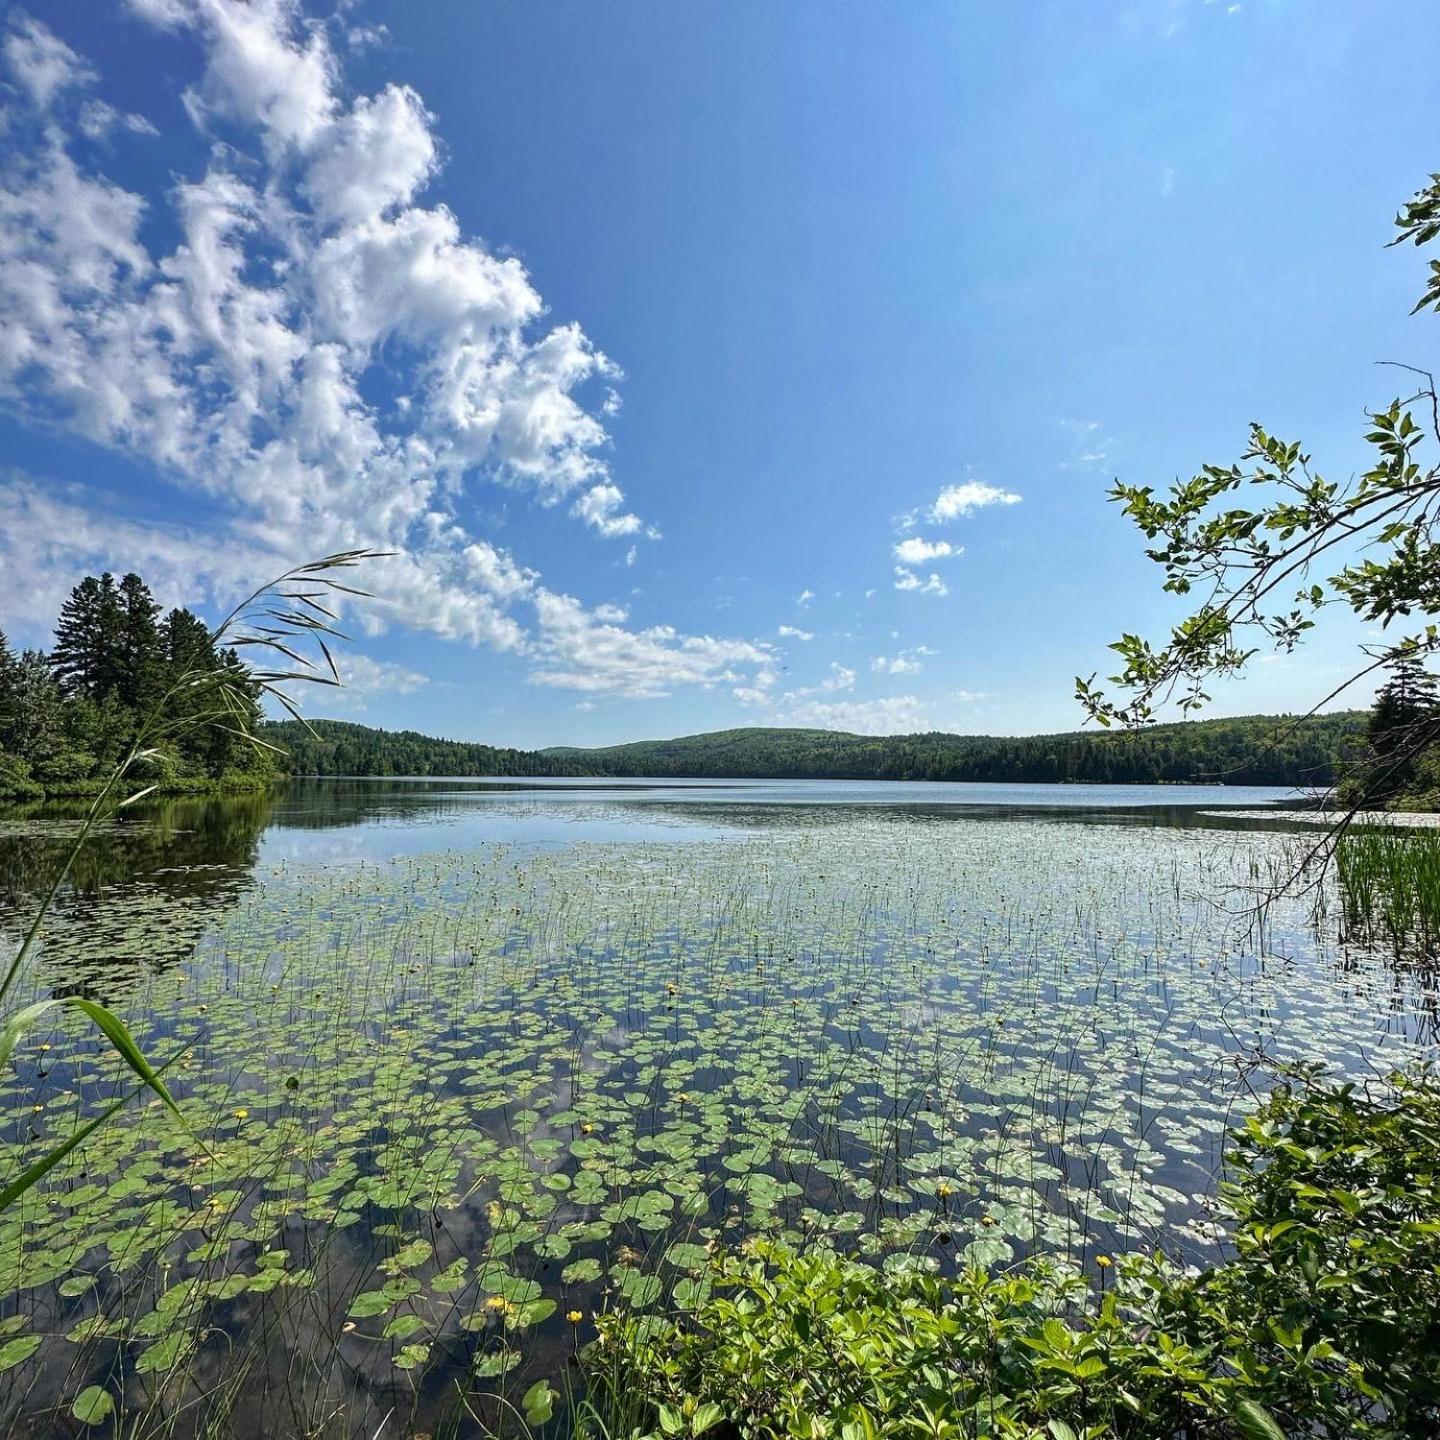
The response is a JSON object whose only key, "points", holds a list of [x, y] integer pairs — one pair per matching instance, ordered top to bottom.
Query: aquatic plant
{"points": [[270, 621], [1390, 888], [449, 1099], [1324, 1321]]}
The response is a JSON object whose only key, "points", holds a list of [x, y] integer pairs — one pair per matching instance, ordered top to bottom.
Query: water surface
{"points": [[469, 1056]]}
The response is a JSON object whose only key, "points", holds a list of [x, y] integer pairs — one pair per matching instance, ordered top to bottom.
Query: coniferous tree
{"points": [[88, 639], [9, 661], [140, 677], [1403, 725]]}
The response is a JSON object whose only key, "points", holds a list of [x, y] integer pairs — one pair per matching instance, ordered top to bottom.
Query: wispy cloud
{"points": [[908, 580], [792, 632], [907, 662], [892, 715]]}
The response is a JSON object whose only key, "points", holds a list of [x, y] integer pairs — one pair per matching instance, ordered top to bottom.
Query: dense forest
{"points": [[67, 716], [336, 747], [1250, 750], [1254, 750]]}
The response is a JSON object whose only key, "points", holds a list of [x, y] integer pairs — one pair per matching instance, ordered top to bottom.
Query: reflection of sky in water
{"points": [[384, 819]]}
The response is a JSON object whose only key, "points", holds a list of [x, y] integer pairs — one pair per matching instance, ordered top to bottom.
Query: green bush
{"points": [[16, 782], [1325, 1321]]}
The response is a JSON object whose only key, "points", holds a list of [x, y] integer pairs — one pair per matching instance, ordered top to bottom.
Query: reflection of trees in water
{"points": [[142, 890]]}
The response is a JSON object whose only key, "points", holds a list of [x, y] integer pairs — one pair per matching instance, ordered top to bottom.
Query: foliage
{"points": [[1254, 566], [67, 718], [1400, 737], [337, 747], [1251, 750], [1325, 1321]]}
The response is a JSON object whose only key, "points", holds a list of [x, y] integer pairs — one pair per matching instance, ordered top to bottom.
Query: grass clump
{"points": [[1390, 888], [1323, 1321]]}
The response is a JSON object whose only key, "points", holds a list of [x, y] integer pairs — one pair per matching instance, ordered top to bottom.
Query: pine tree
{"points": [[87, 658], [9, 664], [140, 678], [1404, 723], [35, 729]]}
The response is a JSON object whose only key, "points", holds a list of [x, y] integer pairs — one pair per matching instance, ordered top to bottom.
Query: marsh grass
{"points": [[1390, 889]]}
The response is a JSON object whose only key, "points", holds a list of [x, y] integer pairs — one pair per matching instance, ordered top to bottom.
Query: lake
{"points": [[462, 1058]]}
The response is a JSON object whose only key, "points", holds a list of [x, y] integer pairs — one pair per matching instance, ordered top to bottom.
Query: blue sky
{"points": [[674, 343]]}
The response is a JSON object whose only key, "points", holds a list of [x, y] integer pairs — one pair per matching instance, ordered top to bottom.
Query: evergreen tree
{"points": [[89, 639], [9, 664], [140, 679], [1403, 725]]}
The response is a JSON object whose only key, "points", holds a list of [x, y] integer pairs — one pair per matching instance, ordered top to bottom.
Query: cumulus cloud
{"points": [[322, 357], [956, 501], [916, 550], [909, 580], [805, 597], [791, 632], [893, 715]]}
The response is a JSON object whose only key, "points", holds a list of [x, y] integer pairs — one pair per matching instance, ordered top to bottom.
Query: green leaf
{"points": [[16, 1352], [538, 1402], [93, 1406], [707, 1415], [672, 1422], [1255, 1422]]}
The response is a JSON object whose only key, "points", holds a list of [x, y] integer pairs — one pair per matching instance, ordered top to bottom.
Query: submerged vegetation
{"points": [[444, 1111]]}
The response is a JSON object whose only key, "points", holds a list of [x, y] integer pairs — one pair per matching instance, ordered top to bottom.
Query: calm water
{"points": [[468, 1055]]}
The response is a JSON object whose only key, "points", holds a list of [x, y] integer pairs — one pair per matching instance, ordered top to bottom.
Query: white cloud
{"points": [[42, 62], [97, 119], [325, 360], [1090, 448], [956, 501], [597, 506], [916, 550], [909, 580], [805, 597], [790, 632], [580, 650], [907, 662], [364, 678], [895, 715]]}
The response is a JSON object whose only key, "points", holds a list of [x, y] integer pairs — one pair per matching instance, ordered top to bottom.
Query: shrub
{"points": [[1324, 1321]]}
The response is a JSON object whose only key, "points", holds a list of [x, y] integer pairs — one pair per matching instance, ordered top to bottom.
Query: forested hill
{"points": [[338, 747], [1249, 750], [1252, 750]]}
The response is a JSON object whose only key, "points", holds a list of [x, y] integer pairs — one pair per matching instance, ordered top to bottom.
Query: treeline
{"points": [[68, 715], [336, 747], [1250, 750], [1253, 750]]}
